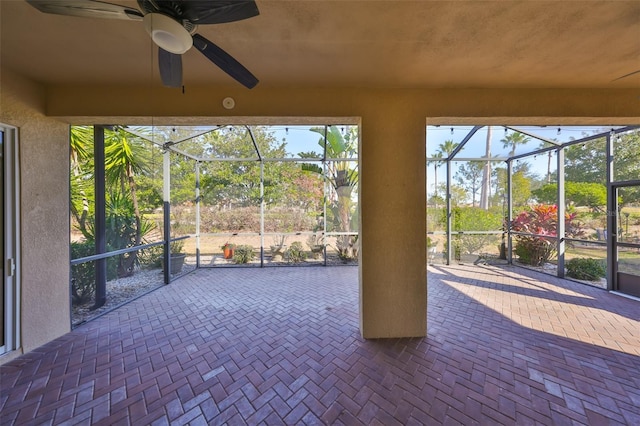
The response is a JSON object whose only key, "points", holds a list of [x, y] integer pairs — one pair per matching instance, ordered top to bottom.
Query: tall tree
{"points": [[444, 151], [549, 156], [626, 156], [586, 162], [436, 164], [469, 176], [521, 181], [231, 184], [485, 192], [458, 194], [587, 194]]}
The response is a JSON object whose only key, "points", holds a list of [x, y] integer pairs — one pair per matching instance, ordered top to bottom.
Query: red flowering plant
{"points": [[542, 221]]}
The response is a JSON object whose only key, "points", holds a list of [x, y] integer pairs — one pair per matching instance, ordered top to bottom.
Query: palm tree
{"points": [[513, 140], [447, 147], [444, 150], [549, 157], [123, 160], [81, 162], [436, 163], [342, 177]]}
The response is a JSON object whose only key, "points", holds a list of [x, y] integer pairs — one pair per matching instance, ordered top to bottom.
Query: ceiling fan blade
{"points": [[171, 8], [86, 9], [219, 11], [225, 61], [170, 68], [625, 76]]}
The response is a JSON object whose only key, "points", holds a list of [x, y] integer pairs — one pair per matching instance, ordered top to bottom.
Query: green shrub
{"points": [[589, 194], [472, 219], [541, 219], [120, 232], [176, 247], [534, 251], [295, 253], [243, 254], [151, 257], [586, 269], [83, 275]]}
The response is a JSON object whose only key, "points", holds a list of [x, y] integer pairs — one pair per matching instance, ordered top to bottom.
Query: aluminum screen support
{"points": [[448, 163], [612, 203], [166, 205], [509, 211], [561, 212], [261, 213], [197, 214], [101, 222]]}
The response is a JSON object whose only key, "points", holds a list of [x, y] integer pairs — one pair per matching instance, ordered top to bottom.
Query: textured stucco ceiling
{"points": [[412, 44]]}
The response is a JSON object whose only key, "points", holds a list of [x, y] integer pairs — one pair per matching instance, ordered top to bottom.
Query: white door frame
{"points": [[11, 233]]}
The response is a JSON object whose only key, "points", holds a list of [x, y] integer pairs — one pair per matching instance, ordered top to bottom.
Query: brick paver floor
{"points": [[282, 346]]}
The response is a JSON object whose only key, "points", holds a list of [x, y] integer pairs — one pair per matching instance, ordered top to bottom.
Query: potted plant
{"points": [[227, 250], [176, 257]]}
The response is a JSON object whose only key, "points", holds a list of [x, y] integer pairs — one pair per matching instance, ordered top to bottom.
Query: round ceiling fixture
{"points": [[167, 33], [228, 103]]}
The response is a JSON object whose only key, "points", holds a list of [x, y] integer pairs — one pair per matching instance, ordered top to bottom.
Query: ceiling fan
{"points": [[172, 25]]}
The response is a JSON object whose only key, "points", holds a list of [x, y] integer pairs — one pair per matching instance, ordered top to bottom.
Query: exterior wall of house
{"points": [[471, 106], [392, 166], [44, 204]]}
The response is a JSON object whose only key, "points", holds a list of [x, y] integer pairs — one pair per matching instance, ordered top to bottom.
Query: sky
{"points": [[299, 138], [476, 146]]}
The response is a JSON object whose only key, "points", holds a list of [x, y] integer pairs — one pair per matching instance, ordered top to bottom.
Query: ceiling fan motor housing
{"points": [[168, 33]]}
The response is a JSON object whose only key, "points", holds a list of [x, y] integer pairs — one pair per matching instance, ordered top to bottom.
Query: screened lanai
{"points": [[223, 195], [561, 199]]}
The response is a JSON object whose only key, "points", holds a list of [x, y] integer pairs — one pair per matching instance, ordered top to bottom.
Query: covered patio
{"points": [[504, 345]]}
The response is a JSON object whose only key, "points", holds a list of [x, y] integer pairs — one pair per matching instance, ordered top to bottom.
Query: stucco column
{"points": [[393, 261]]}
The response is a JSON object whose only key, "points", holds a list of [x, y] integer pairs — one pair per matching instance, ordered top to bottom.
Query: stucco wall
{"points": [[492, 106], [44, 204], [393, 268]]}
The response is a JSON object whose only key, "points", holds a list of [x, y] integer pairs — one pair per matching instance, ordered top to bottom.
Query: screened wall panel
{"points": [[238, 196]]}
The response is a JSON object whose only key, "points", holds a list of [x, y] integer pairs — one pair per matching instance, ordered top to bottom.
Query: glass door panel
{"points": [[9, 233], [2, 290]]}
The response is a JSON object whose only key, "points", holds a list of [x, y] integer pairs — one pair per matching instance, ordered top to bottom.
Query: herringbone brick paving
{"points": [[282, 346]]}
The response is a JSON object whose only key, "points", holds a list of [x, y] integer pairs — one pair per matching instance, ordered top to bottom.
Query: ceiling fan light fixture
{"points": [[167, 33]]}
